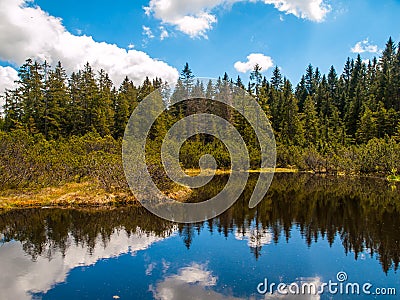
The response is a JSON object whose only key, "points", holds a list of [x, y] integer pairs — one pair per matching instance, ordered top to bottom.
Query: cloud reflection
{"points": [[256, 237], [21, 276], [191, 282]]}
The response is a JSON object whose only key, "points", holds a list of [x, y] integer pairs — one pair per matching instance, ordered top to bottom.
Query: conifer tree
{"points": [[56, 95]]}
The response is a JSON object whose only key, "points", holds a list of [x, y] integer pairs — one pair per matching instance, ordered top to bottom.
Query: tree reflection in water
{"points": [[363, 212]]}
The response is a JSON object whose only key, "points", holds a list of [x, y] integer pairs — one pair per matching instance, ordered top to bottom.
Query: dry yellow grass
{"points": [[70, 194]]}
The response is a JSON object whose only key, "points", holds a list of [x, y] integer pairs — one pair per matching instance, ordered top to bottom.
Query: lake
{"points": [[340, 235]]}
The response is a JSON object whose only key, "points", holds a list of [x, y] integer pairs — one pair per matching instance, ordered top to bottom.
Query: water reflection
{"points": [[40, 247], [25, 275], [191, 282]]}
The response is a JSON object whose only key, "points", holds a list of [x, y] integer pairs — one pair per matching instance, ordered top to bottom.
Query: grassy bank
{"points": [[85, 194], [89, 194], [67, 195]]}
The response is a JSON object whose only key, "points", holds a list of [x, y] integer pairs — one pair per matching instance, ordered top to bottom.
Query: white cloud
{"points": [[314, 10], [190, 17], [195, 18], [196, 25], [28, 31], [147, 32], [164, 33], [131, 46], [364, 46], [265, 62], [7, 77]]}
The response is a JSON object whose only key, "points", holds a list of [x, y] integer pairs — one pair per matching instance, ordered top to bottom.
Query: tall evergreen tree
{"points": [[186, 78], [276, 79], [56, 95], [122, 107], [311, 122], [291, 130]]}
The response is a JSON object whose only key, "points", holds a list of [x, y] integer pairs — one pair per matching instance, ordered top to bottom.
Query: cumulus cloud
{"points": [[314, 10], [190, 17], [195, 18], [196, 25], [28, 31], [364, 46], [265, 62], [7, 77]]}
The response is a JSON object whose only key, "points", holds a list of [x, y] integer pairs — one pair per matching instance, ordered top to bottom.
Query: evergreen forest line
{"points": [[61, 127]]}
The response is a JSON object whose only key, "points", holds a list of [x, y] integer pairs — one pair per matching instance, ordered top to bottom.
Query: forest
{"points": [[56, 128]]}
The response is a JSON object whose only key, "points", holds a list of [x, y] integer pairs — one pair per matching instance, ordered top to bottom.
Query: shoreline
{"points": [[88, 194]]}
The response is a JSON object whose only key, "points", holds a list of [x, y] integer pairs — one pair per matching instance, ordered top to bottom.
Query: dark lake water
{"points": [[306, 231]]}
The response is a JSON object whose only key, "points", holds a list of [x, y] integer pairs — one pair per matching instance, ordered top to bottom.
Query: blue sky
{"points": [[212, 35]]}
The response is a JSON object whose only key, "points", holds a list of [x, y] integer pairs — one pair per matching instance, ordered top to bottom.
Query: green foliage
{"points": [[58, 128], [29, 161]]}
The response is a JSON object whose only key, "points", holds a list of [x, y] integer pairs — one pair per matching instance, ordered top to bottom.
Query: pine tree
{"points": [[187, 79], [256, 79], [276, 79], [310, 80], [396, 80], [333, 88], [145, 89], [386, 89], [30, 93], [89, 93], [301, 93], [56, 95], [356, 95], [275, 99], [75, 107], [122, 107], [13, 111], [105, 113], [311, 122], [367, 128], [291, 129]]}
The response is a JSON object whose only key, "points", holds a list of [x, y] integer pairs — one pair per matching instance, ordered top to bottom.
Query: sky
{"points": [[155, 38]]}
